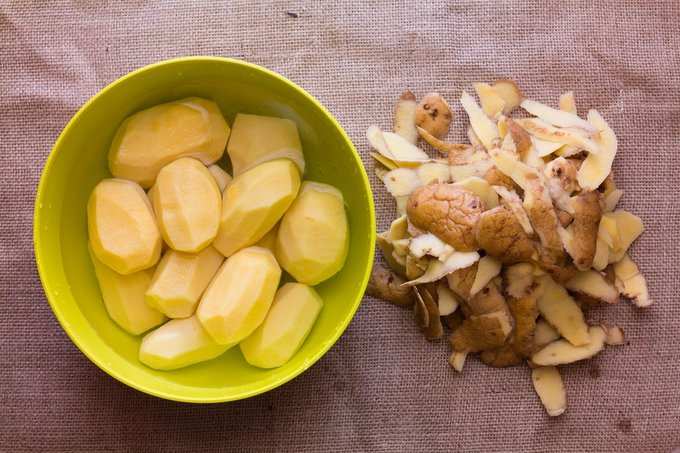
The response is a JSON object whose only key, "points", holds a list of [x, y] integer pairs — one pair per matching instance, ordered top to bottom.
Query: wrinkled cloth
{"points": [[382, 387]]}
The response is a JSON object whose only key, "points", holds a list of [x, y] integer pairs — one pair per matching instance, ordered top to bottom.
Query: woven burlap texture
{"points": [[382, 387]]}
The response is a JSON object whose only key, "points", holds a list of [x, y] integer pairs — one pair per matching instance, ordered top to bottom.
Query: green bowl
{"points": [[79, 160]]}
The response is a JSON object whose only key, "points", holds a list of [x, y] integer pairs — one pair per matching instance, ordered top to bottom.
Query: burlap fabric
{"points": [[382, 387]]}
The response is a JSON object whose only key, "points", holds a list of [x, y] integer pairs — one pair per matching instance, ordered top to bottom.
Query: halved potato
{"points": [[152, 138], [256, 139], [187, 202], [254, 202], [122, 227], [313, 236], [180, 279], [123, 297], [238, 298], [289, 321], [178, 343]]}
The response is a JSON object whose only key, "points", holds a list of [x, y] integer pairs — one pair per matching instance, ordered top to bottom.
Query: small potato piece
{"points": [[510, 92], [492, 103], [434, 115], [405, 117], [484, 128], [152, 138], [256, 139], [597, 166], [222, 178], [187, 202], [254, 202], [448, 212], [122, 227], [629, 227], [314, 234], [180, 279], [631, 282], [593, 284], [387, 285], [123, 297], [238, 298], [560, 310], [284, 330], [178, 343], [562, 352], [550, 389]]}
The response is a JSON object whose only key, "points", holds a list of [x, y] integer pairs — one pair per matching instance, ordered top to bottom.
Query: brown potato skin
{"points": [[434, 115], [448, 212], [587, 215], [500, 234], [386, 285]]}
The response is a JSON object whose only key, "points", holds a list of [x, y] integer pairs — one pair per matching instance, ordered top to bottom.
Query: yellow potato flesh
{"points": [[152, 138], [256, 139], [187, 202], [254, 202], [122, 227], [313, 235], [180, 279], [123, 297], [239, 297], [289, 321], [178, 343]]}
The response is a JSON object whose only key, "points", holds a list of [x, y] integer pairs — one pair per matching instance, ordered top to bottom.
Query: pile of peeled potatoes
{"points": [[198, 257]]}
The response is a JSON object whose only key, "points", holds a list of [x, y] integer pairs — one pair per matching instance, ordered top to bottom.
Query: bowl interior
{"points": [[79, 161]]}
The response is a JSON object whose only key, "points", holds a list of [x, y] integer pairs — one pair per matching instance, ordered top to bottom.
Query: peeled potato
{"points": [[152, 138], [256, 139], [222, 178], [187, 202], [254, 202], [122, 228], [313, 235], [180, 279], [239, 297], [124, 298], [289, 321], [178, 343]]}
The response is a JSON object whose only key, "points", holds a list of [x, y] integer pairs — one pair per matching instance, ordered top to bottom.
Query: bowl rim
{"points": [[51, 294]]}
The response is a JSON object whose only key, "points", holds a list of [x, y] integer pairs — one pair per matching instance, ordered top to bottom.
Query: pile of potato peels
{"points": [[507, 239]]}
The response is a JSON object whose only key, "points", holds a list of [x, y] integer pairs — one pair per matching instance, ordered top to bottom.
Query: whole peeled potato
{"points": [[152, 138], [256, 139], [187, 202], [254, 202], [122, 227], [313, 236], [238, 298], [289, 321]]}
